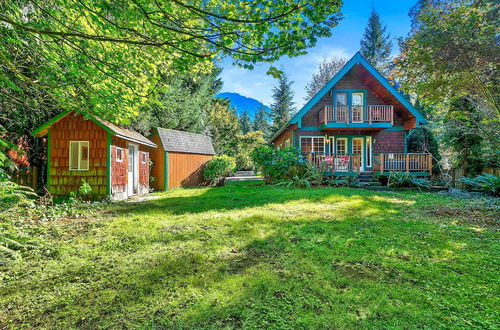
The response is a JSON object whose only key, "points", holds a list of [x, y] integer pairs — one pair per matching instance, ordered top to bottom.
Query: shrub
{"points": [[279, 165], [217, 169], [405, 179], [487, 183], [83, 192]]}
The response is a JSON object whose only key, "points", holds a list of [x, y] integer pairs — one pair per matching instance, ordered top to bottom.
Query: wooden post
{"points": [[391, 109], [369, 115], [407, 162], [381, 163], [429, 164], [34, 177]]}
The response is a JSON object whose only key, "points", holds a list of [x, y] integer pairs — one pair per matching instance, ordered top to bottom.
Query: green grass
{"points": [[254, 256]]}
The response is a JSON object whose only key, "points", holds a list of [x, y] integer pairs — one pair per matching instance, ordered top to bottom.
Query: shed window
{"points": [[287, 143], [312, 144], [119, 154], [79, 155], [144, 157]]}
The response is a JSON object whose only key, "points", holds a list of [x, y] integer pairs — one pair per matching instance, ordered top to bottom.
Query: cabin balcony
{"points": [[376, 116], [418, 164]]}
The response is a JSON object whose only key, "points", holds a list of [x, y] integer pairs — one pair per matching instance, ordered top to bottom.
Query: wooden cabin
{"points": [[358, 122], [179, 159], [113, 160]]}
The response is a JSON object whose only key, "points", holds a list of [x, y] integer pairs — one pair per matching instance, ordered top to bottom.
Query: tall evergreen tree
{"points": [[376, 45], [326, 70], [283, 104], [245, 122], [260, 122]]}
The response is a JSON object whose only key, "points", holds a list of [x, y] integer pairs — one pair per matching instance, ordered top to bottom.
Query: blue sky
{"points": [[344, 43]]}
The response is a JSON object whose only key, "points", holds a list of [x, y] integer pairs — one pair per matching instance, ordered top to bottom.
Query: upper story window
{"points": [[341, 99], [312, 144], [79, 155]]}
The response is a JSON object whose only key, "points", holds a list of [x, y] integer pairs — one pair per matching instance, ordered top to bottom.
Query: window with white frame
{"points": [[287, 143], [312, 144], [341, 145], [119, 154], [79, 155], [144, 157]]}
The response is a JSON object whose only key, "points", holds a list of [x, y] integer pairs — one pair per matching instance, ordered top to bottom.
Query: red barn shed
{"points": [[113, 160]]}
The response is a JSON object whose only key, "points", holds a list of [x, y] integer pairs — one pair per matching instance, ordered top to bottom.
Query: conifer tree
{"points": [[376, 45], [283, 104], [245, 122], [260, 122]]}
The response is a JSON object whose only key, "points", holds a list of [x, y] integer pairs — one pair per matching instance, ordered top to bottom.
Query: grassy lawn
{"points": [[248, 255]]}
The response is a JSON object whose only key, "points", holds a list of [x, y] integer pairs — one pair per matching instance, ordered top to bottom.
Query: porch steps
{"points": [[243, 176], [366, 179]]}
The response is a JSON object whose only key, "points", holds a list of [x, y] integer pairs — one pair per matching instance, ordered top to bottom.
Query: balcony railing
{"points": [[357, 114], [335, 162], [383, 162], [411, 162]]}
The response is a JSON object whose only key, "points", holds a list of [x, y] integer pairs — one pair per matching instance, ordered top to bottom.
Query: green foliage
{"points": [[376, 45], [453, 51], [108, 60], [182, 102], [283, 105], [245, 122], [261, 122], [224, 128], [463, 134], [422, 140], [247, 143], [278, 165], [218, 168], [405, 179], [487, 183], [83, 192], [12, 195]]}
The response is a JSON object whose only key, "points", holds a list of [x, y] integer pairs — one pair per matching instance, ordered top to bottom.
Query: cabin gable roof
{"points": [[357, 59], [111, 128]]}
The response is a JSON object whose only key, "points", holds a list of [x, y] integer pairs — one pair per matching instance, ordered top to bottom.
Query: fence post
{"points": [[407, 162], [381, 163], [429, 164]]}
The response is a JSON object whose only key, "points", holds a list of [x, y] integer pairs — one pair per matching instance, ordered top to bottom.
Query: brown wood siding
{"points": [[351, 80], [76, 128], [280, 140], [389, 141], [158, 158], [144, 167], [185, 169], [119, 175]]}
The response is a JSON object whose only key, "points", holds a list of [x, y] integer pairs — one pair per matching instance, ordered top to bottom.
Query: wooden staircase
{"points": [[367, 179]]}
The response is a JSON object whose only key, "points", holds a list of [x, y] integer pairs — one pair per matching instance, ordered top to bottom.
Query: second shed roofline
{"points": [[184, 142]]}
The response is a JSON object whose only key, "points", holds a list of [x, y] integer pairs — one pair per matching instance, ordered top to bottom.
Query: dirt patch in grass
{"points": [[485, 218]]}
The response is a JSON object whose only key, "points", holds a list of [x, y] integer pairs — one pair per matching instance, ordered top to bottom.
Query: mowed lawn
{"points": [[254, 256]]}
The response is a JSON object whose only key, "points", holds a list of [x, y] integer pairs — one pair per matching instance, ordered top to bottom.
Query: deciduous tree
{"points": [[326, 70]]}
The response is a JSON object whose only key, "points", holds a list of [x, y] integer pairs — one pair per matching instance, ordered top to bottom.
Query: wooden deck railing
{"points": [[357, 114], [335, 162], [409, 162]]}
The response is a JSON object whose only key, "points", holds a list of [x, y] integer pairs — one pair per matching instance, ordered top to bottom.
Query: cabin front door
{"points": [[357, 150], [133, 169]]}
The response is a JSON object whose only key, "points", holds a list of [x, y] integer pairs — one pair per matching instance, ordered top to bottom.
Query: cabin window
{"points": [[341, 98], [287, 143], [312, 144], [341, 145], [119, 154], [79, 155], [144, 157]]}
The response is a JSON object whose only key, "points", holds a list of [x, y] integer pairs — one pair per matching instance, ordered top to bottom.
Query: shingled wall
{"points": [[76, 128]]}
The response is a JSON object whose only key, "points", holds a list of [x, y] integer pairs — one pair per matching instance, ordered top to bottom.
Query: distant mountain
{"points": [[242, 103]]}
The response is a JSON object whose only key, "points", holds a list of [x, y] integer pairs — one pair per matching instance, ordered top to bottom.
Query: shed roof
{"points": [[115, 130], [178, 141]]}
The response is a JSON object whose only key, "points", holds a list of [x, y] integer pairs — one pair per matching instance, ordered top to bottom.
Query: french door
{"points": [[357, 107]]}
